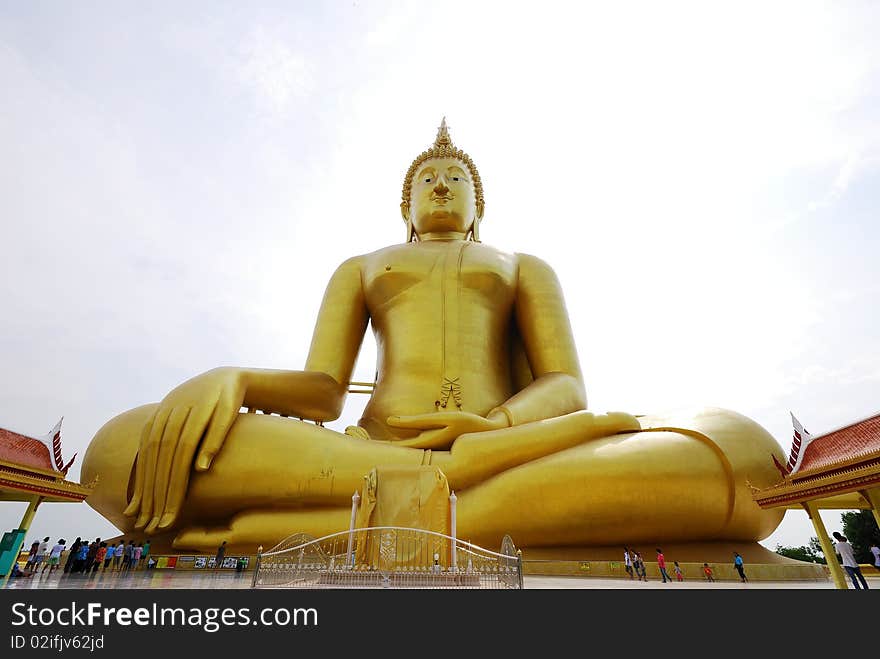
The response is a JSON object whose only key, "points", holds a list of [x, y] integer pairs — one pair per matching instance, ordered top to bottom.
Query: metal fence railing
{"points": [[387, 557]]}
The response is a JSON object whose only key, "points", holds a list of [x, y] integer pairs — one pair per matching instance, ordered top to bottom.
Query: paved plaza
{"points": [[198, 579]]}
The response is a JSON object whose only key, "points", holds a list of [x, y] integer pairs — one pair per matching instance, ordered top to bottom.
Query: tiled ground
{"points": [[169, 579]]}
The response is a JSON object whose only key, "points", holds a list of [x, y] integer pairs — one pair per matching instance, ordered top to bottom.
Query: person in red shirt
{"points": [[100, 556], [661, 563], [708, 572]]}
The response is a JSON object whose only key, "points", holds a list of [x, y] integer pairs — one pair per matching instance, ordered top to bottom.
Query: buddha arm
{"points": [[543, 323], [318, 392], [305, 394], [549, 396]]}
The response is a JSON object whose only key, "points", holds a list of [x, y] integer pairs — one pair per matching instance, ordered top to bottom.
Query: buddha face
{"points": [[442, 197]]}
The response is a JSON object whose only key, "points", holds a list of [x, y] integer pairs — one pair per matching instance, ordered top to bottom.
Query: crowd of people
{"points": [[84, 557], [634, 565]]}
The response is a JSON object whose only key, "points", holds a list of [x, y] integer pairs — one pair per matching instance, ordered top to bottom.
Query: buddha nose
{"points": [[440, 187]]}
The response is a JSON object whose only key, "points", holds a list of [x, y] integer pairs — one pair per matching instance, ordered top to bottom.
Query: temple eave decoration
{"points": [[839, 462], [33, 466], [839, 470], [12, 480]]}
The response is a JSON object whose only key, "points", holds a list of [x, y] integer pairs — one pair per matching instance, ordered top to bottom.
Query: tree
{"points": [[861, 531], [810, 554]]}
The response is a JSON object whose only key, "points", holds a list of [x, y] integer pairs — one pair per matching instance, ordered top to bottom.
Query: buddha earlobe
{"points": [[405, 214], [475, 225], [475, 230]]}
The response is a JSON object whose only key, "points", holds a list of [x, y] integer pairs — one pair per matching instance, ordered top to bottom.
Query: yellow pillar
{"points": [[873, 497], [29, 513], [25, 525], [827, 545]]}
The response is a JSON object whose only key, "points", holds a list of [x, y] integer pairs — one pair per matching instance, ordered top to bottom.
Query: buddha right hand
{"points": [[205, 406]]}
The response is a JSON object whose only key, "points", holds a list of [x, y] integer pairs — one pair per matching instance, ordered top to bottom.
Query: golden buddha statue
{"points": [[477, 373]]}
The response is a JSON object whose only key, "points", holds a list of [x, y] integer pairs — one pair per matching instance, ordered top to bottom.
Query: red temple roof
{"points": [[857, 439], [23, 450]]}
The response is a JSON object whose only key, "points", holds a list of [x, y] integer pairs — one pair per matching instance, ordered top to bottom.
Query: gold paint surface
{"points": [[477, 374], [414, 497]]}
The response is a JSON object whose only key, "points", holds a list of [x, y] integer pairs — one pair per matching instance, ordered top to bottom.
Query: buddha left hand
{"points": [[440, 429]]}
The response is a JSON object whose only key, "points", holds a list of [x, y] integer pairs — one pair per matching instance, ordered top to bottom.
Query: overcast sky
{"points": [[179, 180]]}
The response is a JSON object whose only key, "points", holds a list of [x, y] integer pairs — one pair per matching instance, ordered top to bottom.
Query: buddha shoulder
{"points": [[409, 256], [415, 259], [532, 267]]}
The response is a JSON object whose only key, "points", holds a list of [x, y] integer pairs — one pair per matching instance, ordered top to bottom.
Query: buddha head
{"points": [[442, 192]]}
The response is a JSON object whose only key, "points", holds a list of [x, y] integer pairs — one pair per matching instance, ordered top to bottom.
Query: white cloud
{"points": [[277, 75]]}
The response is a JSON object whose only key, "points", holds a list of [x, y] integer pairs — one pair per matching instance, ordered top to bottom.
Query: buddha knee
{"points": [[744, 448], [110, 458]]}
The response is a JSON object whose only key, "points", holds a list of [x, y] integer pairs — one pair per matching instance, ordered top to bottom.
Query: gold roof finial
{"points": [[443, 138]]}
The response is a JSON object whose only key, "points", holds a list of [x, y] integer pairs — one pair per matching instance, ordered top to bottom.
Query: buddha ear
{"points": [[405, 214], [475, 225], [474, 233]]}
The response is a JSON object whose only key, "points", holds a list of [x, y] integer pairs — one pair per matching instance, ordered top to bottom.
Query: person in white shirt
{"points": [[876, 551], [42, 552], [54, 556], [627, 562], [852, 568]]}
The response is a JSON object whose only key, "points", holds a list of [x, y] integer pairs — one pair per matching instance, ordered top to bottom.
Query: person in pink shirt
{"points": [[136, 555]]}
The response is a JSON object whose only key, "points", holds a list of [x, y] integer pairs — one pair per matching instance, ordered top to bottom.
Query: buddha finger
{"points": [[224, 414], [418, 421], [619, 422], [193, 430], [445, 436], [437, 439], [167, 451], [151, 454], [140, 467], [201, 536]]}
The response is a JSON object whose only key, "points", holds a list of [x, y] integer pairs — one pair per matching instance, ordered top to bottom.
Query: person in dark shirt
{"points": [[71, 556], [90, 556]]}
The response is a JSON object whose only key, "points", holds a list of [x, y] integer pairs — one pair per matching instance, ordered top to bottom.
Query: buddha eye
{"points": [[455, 178], [428, 180]]}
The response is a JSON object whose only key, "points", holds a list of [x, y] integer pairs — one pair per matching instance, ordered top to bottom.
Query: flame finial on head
{"points": [[443, 138]]}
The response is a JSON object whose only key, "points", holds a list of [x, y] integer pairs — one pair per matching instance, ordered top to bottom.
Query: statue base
{"points": [[411, 497], [761, 564]]}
